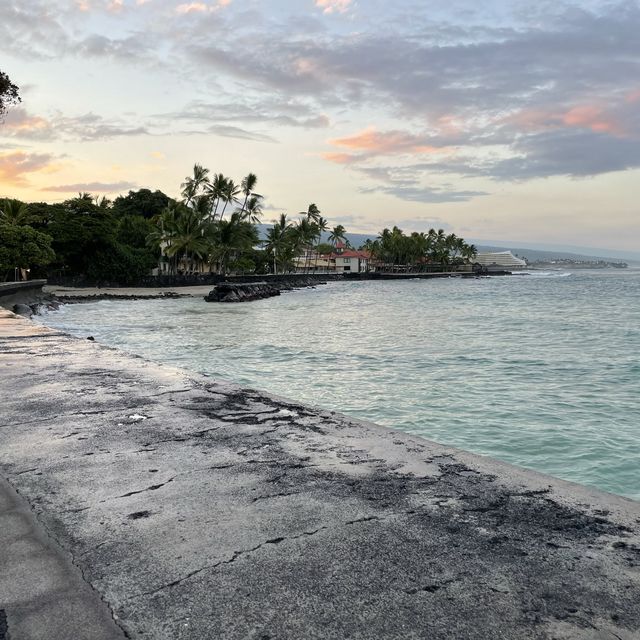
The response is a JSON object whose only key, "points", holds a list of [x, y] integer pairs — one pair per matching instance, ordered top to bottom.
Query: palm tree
{"points": [[192, 184], [247, 186], [215, 190], [230, 194], [252, 209], [15, 212], [337, 234], [229, 237], [279, 241]]}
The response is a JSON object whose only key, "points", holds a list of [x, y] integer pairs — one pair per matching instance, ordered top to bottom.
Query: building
{"points": [[500, 260], [351, 261]]}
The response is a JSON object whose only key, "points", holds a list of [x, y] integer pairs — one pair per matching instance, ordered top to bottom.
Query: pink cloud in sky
{"points": [[333, 6], [201, 7], [633, 97], [593, 117], [20, 122], [373, 142], [339, 158], [16, 165]]}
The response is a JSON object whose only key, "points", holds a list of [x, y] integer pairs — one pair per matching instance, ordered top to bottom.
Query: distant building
{"points": [[500, 260], [351, 261]]}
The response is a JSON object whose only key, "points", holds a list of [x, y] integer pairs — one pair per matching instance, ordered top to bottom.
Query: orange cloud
{"points": [[333, 6], [201, 7], [591, 117], [19, 122], [373, 142], [339, 158], [16, 165]]}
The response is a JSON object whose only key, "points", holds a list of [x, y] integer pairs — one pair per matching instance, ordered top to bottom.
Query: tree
{"points": [[9, 93], [247, 186], [230, 194], [144, 202], [252, 209], [14, 212], [337, 235], [230, 239], [277, 241], [23, 248]]}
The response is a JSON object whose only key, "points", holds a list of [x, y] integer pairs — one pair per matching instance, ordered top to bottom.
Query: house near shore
{"points": [[341, 261], [352, 261]]}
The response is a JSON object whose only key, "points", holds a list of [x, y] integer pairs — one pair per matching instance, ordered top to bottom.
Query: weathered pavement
{"points": [[197, 509]]}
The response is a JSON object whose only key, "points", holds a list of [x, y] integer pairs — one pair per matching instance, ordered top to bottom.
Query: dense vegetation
{"points": [[212, 227], [395, 251]]}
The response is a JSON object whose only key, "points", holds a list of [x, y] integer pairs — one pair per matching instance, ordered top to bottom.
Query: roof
{"points": [[352, 253]]}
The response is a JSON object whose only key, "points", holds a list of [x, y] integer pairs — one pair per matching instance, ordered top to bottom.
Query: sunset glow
{"points": [[499, 123]]}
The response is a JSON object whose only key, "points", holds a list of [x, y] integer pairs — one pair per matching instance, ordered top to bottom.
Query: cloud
{"points": [[333, 6], [201, 7], [273, 111], [21, 124], [236, 132], [375, 142], [15, 166], [91, 187], [431, 195]]}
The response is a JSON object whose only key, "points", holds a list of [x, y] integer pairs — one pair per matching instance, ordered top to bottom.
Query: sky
{"points": [[504, 120]]}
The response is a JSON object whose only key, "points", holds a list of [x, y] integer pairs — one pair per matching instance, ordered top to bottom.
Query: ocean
{"points": [[539, 370]]}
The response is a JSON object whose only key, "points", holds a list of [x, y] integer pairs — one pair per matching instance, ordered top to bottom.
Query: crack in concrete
{"points": [[153, 487], [234, 557]]}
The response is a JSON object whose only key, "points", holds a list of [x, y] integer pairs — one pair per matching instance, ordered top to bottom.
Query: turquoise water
{"points": [[539, 370]]}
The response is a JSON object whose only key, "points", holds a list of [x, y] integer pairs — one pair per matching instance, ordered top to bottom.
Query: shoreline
{"points": [[179, 495]]}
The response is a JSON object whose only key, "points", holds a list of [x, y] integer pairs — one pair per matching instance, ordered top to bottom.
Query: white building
{"points": [[500, 259], [351, 261]]}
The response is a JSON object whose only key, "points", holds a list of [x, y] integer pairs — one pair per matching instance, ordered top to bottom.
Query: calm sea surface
{"points": [[541, 370]]}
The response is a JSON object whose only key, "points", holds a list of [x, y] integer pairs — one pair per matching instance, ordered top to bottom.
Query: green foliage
{"points": [[9, 93], [142, 203], [14, 212], [23, 247], [324, 248], [396, 251], [120, 264]]}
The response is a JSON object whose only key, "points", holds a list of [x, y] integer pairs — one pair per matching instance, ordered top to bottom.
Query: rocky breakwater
{"points": [[247, 291], [241, 292]]}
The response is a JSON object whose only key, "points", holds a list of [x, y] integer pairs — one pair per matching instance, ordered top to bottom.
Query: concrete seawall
{"points": [[187, 508]]}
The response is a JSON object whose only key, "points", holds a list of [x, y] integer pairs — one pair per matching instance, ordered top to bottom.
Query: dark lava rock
{"points": [[241, 292], [23, 310]]}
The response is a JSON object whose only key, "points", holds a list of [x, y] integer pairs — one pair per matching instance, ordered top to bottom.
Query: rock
{"points": [[245, 291], [241, 292], [23, 310], [91, 338]]}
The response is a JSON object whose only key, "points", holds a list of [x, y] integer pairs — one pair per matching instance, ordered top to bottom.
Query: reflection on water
{"points": [[540, 370]]}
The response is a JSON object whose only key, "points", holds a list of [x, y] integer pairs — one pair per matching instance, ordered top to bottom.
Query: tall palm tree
{"points": [[193, 184], [248, 186], [215, 190], [230, 194], [252, 209], [14, 212], [337, 235], [230, 237], [279, 241]]}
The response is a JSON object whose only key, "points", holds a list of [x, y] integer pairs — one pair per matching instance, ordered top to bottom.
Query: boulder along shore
{"points": [[190, 508]]}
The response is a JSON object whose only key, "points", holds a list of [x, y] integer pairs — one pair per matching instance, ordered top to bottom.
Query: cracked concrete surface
{"points": [[197, 509]]}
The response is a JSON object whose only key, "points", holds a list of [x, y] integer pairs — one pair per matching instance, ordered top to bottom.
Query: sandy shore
{"points": [[133, 292], [197, 509]]}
